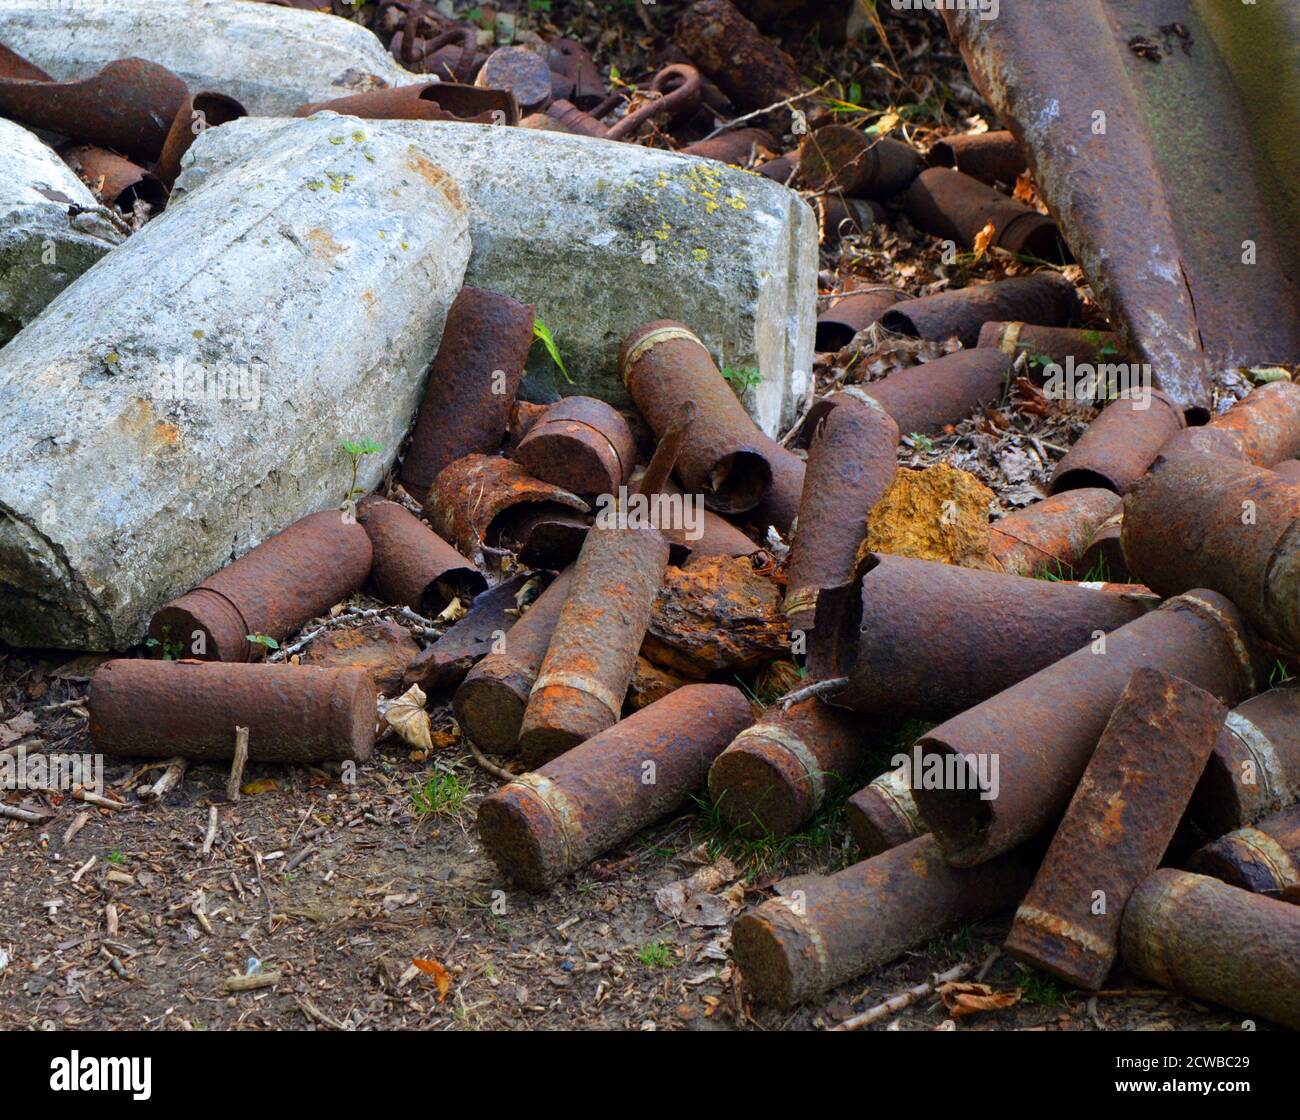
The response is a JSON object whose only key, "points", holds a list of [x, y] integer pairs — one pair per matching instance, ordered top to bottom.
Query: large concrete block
{"points": [[603, 237], [187, 396]]}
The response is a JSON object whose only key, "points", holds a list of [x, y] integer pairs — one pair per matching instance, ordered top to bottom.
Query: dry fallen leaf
{"points": [[1024, 191], [984, 239], [406, 716], [13, 730], [262, 785], [440, 976], [962, 998]]}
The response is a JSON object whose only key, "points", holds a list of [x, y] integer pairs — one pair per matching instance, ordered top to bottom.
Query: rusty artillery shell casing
{"points": [[748, 66], [524, 72], [426, 101], [200, 111], [736, 147], [990, 157], [848, 161], [113, 180], [946, 203], [841, 217], [1044, 298], [853, 312], [1058, 344], [472, 384], [1263, 427], [580, 443], [1120, 444], [724, 456], [851, 463], [780, 506], [1210, 521], [544, 535], [717, 535], [1053, 535], [412, 565], [273, 589], [921, 638], [592, 654], [489, 704], [294, 713], [1041, 732], [1255, 767], [774, 774], [883, 814], [548, 823], [1117, 828], [1263, 858], [832, 928], [1215, 942]]}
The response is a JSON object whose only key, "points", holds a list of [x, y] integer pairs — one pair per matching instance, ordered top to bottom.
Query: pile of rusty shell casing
{"points": [[747, 66], [521, 71], [423, 101], [128, 106], [201, 111], [737, 147], [990, 157], [848, 161], [113, 180], [948, 204], [1045, 298], [853, 312], [1054, 343], [472, 384], [1263, 427], [580, 443], [1120, 444], [724, 456], [851, 462], [474, 499], [1210, 521], [714, 536], [1051, 537], [1105, 552], [412, 565], [271, 590], [921, 638], [584, 676], [489, 704], [294, 713], [1041, 732], [1255, 767], [775, 774], [883, 814], [554, 820], [1117, 828], [1263, 858], [827, 930], [1215, 942]]}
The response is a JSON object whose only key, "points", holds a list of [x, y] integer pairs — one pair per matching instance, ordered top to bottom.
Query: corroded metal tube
{"points": [[200, 111], [990, 157], [848, 161], [113, 180], [1045, 297], [852, 312], [1050, 344], [1263, 427], [580, 443], [1120, 444], [1051, 537], [412, 564], [883, 814], [1263, 858]]}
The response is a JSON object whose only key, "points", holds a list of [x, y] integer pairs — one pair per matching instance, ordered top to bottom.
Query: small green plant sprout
{"points": [[543, 334], [742, 380], [924, 444], [357, 450], [264, 640], [171, 651], [1280, 673], [442, 792], [116, 856], [655, 954]]}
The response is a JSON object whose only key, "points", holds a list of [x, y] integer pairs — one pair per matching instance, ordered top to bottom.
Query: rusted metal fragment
{"points": [[571, 59], [13, 65], [749, 67], [521, 71], [673, 91], [424, 101], [200, 111], [737, 147], [991, 157], [848, 161], [1192, 169], [114, 181], [949, 204], [841, 217], [1045, 297], [852, 312], [1051, 344], [523, 415], [1262, 428], [580, 443], [1120, 444], [851, 462], [1288, 469], [470, 498], [939, 513], [1210, 521], [544, 535], [717, 535], [1050, 537], [1104, 556], [412, 565], [272, 590], [715, 613], [918, 638], [382, 648], [589, 662], [649, 683], [489, 704], [294, 713], [1041, 732], [1255, 767], [774, 774], [883, 814], [548, 823], [1117, 828], [1264, 858], [828, 930], [1215, 942]]}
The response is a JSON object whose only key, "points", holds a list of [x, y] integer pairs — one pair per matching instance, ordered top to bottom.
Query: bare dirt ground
{"points": [[373, 906]]}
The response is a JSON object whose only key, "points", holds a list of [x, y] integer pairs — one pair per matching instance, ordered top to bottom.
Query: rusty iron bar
{"points": [[747, 66], [674, 90], [424, 101], [200, 111], [569, 118], [990, 157], [847, 161], [113, 180], [1045, 298], [853, 312], [1086, 347], [472, 384], [1263, 428], [581, 444], [1120, 444], [1210, 521], [1051, 537], [412, 565], [271, 590], [921, 638], [294, 713], [1041, 732], [774, 775], [883, 814], [553, 821], [1118, 827], [1263, 858], [829, 929], [1214, 942]]}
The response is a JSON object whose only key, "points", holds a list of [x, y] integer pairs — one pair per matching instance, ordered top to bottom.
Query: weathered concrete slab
{"points": [[269, 58], [51, 227], [604, 236], [186, 397]]}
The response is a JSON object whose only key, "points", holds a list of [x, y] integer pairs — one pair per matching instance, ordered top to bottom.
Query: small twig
{"points": [[817, 688], [63, 704], [237, 766], [489, 766], [171, 778], [91, 798], [27, 816], [78, 823], [212, 831], [301, 857], [76, 875], [251, 983], [905, 999], [316, 1014]]}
